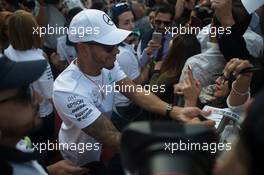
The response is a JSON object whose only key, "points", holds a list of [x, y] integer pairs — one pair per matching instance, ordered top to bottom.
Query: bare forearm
{"points": [[179, 7], [143, 77], [143, 98], [150, 102], [104, 132]]}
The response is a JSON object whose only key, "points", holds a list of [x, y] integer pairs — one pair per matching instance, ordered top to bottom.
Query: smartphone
{"points": [[157, 37]]}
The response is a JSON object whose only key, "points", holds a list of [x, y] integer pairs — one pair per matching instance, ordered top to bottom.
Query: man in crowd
{"points": [[147, 47], [83, 93], [125, 111], [19, 116]]}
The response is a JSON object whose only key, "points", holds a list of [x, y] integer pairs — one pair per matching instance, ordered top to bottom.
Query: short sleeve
{"points": [[61, 49], [129, 64], [117, 73], [45, 83], [75, 108]]}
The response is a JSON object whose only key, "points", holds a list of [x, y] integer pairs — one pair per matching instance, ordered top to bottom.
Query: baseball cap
{"points": [[117, 9], [97, 27], [18, 74]]}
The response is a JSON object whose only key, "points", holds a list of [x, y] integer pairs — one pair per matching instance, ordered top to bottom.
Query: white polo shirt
{"points": [[65, 51], [130, 65], [44, 84], [79, 103]]}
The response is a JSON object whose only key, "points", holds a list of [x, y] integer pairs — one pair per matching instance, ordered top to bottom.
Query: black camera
{"points": [[146, 149]]}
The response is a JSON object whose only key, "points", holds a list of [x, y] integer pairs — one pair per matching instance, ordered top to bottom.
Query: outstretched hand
{"points": [[191, 115], [66, 167]]}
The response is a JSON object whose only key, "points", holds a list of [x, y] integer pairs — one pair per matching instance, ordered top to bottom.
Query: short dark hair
{"points": [[164, 8], [117, 9]]}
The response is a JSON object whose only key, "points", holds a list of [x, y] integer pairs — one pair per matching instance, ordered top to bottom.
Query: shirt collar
{"points": [[211, 45]]}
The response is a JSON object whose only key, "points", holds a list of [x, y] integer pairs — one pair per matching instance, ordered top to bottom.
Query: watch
{"points": [[168, 110]]}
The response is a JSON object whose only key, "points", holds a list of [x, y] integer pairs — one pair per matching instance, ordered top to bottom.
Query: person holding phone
{"points": [[156, 45]]}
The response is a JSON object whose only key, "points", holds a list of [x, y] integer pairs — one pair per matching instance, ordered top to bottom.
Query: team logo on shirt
{"points": [[110, 77]]}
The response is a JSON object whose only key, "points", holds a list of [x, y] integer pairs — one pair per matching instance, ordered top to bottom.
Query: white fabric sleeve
{"points": [[61, 50], [139, 53], [129, 64], [117, 73], [45, 83], [78, 109], [238, 109]]}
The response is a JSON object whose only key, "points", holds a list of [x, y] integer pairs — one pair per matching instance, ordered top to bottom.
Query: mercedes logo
{"points": [[107, 20]]}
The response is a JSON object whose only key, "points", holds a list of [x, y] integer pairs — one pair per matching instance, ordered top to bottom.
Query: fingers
{"points": [[153, 44], [243, 64], [235, 65], [230, 66], [178, 89], [196, 112], [204, 113], [197, 121], [208, 123], [68, 168], [74, 170]]}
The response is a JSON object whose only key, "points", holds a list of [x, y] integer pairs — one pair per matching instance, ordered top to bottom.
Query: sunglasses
{"points": [[165, 23], [107, 48], [243, 71], [24, 95]]}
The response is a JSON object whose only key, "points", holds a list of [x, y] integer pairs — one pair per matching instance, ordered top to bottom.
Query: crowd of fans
{"points": [[167, 58]]}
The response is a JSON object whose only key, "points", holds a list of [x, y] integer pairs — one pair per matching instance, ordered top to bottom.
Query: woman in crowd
{"points": [[25, 46], [168, 72], [245, 156]]}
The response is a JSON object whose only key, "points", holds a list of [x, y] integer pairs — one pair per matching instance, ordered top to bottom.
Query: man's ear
{"points": [[81, 47]]}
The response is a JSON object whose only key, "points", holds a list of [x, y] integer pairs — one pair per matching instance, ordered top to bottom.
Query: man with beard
{"points": [[83, 93], [19, 116]]}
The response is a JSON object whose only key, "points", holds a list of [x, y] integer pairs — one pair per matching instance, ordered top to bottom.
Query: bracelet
{"points": [[239, 93], [168, 110]]}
